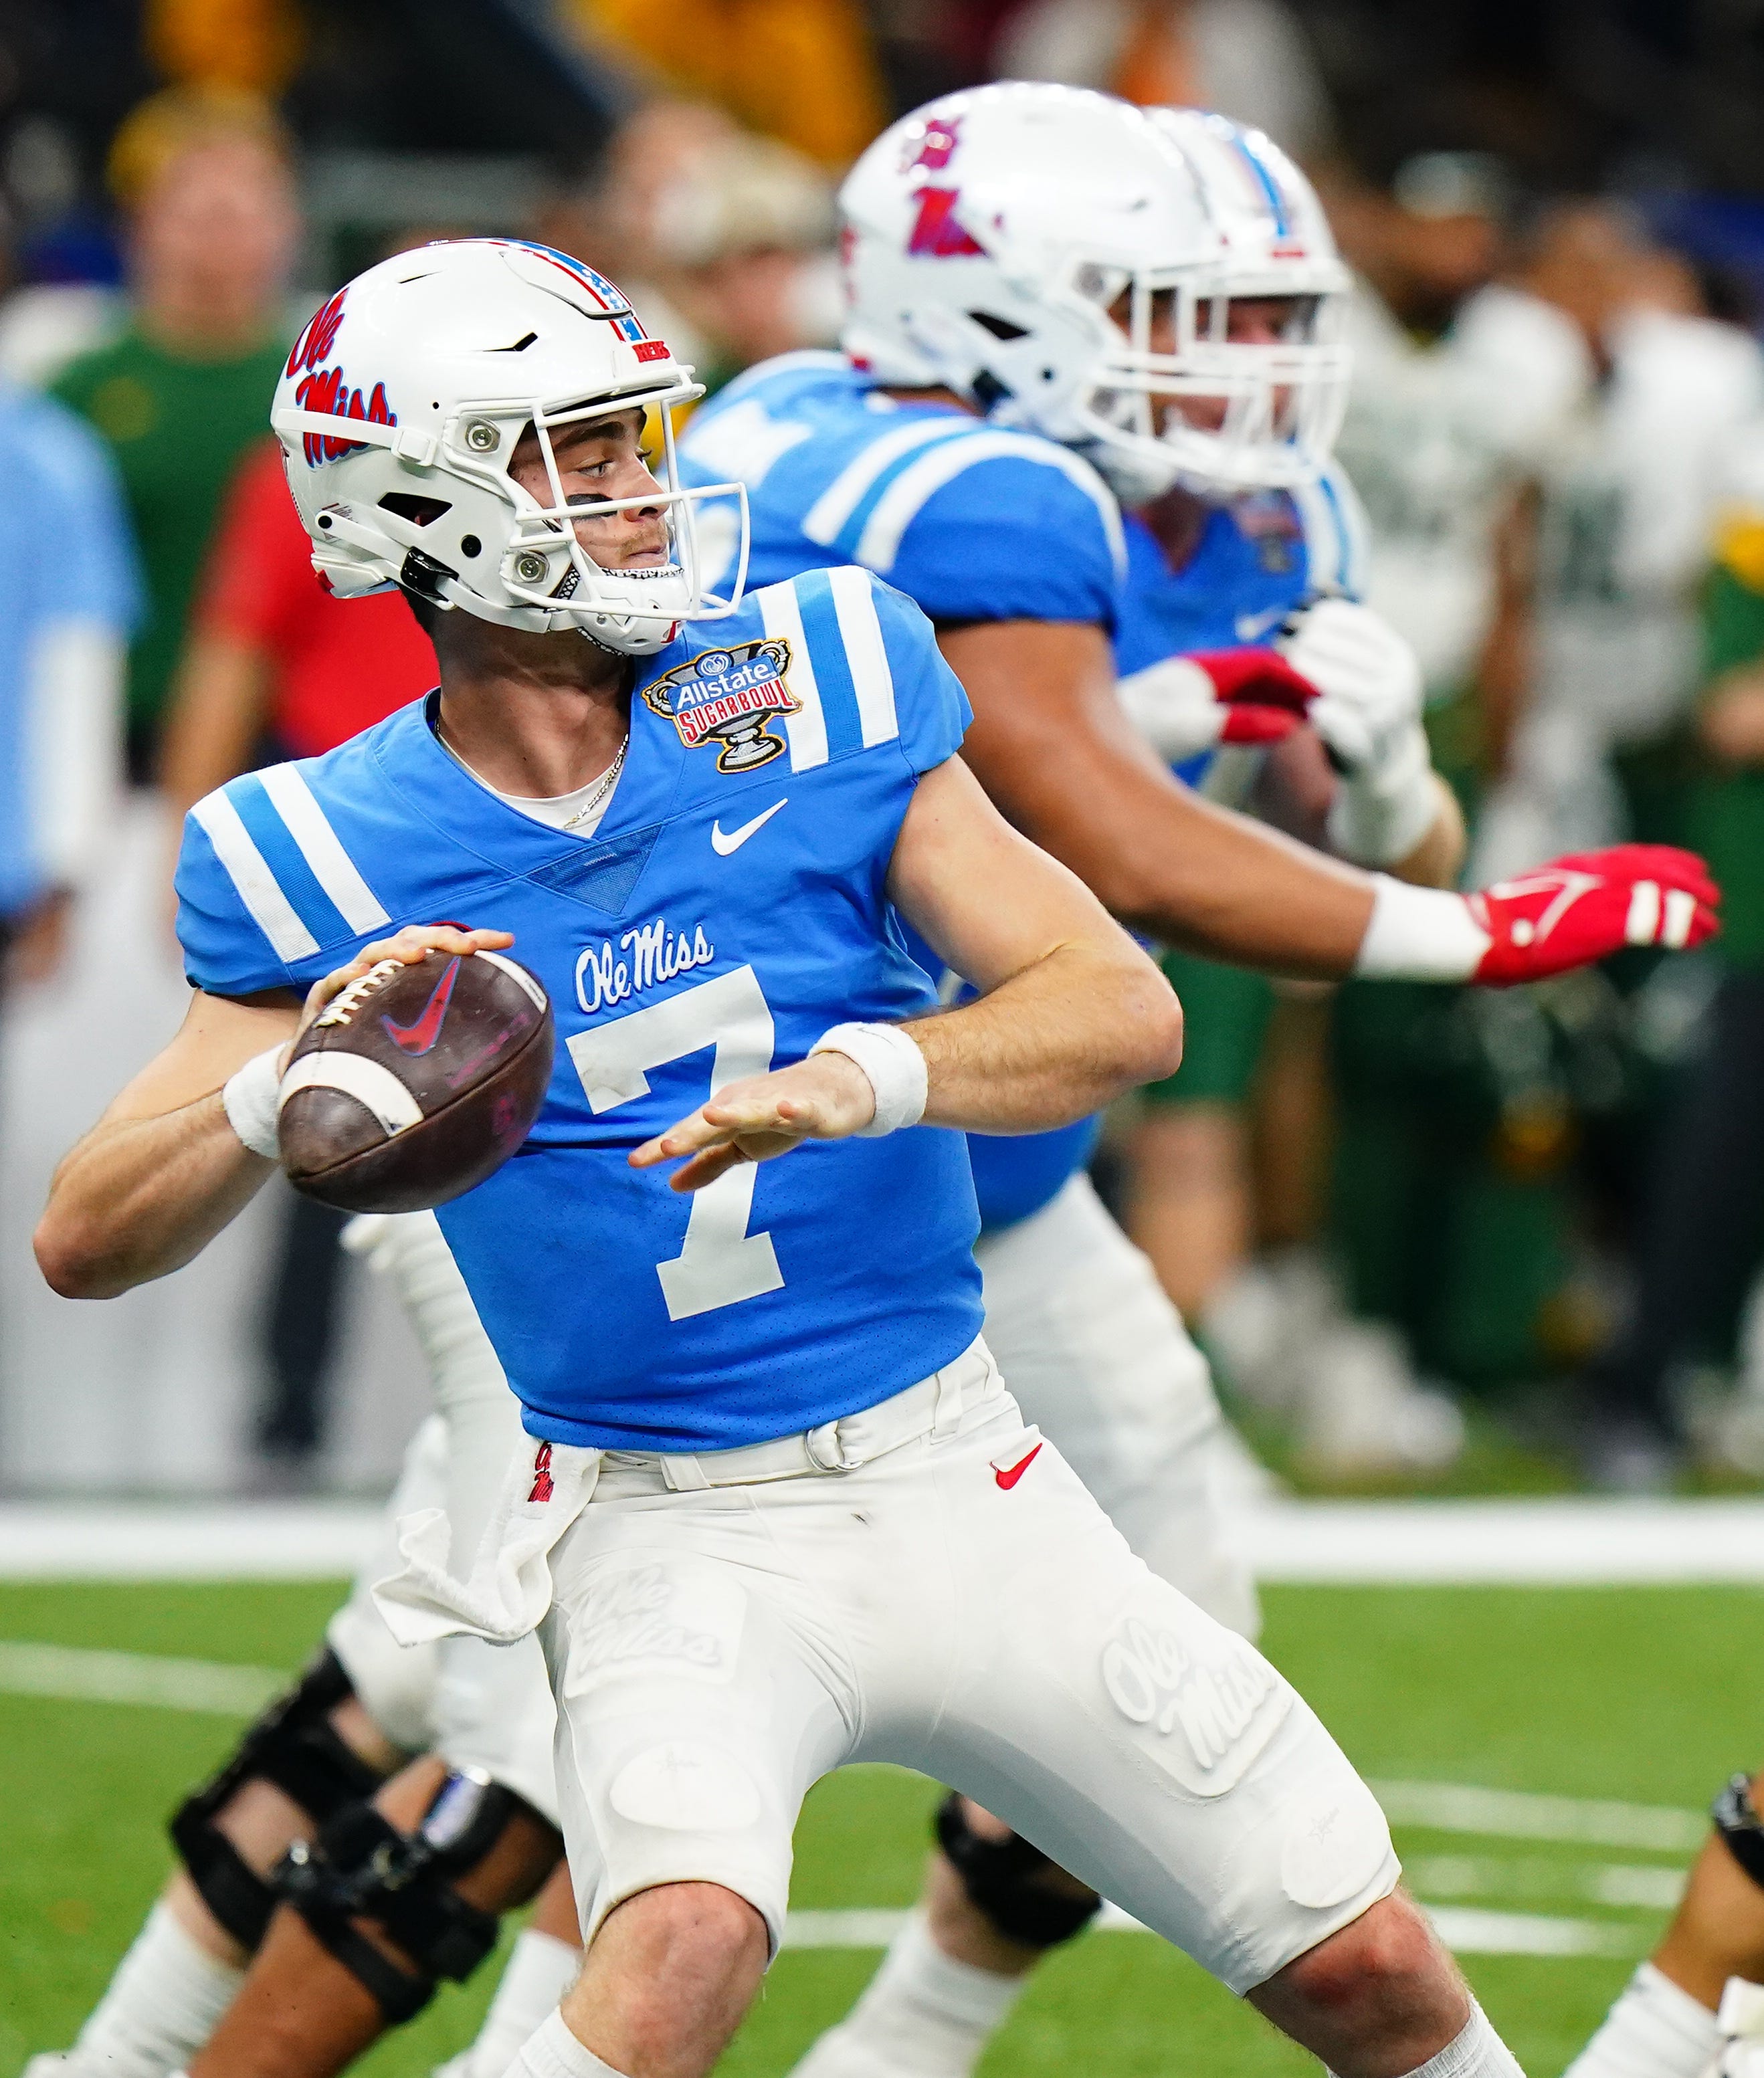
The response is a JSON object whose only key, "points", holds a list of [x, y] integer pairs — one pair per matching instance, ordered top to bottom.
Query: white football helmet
{"points": [[1017, 244], [438, 361]]}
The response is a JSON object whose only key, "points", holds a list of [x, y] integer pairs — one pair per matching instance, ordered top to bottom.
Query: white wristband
{"points": [[1419, 934], [895, 1067], [250, 1099]]}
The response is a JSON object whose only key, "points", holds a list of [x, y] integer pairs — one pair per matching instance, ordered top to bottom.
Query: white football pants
{"points": [[927, 1583]]}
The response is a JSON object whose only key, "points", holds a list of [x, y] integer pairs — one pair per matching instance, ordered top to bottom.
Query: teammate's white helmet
{"points": [[989, 236], [438, 361]]}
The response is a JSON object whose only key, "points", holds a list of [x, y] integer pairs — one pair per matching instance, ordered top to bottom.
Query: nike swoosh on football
{"points": [[1251, 626], [723, 842], [418, 1038], [1007, 1476]]}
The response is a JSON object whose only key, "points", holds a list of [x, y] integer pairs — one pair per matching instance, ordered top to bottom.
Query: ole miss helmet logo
{"points": [[326, 389]]}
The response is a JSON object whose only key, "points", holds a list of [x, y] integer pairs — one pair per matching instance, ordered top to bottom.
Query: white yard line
{"points": [[1566, 1541], [1551, 1542], [74, 1674], [1521, 1814], [1512, 1877], [1464, 1928]]}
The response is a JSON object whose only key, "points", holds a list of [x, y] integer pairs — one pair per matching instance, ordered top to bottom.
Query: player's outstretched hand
{"points": [[1581, 908], [409, 945], [826, 1097]]}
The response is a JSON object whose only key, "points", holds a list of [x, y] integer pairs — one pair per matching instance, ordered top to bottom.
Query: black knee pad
{"points": [[292, 1746], [1736, 1820], [361, 1866], [999, 1876]]}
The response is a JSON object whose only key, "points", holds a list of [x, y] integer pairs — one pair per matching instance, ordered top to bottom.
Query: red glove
{"points": [[1263, 697], [1194, 701], [1578, 909]]}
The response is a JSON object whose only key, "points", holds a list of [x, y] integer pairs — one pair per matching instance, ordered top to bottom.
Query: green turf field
{"points": [[1597, 1693]]}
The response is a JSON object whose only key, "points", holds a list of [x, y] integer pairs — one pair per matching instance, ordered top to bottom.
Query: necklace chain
{"points": [[608, 780]]}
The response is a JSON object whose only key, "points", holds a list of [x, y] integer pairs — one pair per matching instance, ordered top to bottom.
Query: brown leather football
{"points": [[415, 1082]]}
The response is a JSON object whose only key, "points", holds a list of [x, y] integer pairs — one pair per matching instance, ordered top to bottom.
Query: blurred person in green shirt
{"points": [[214, 230], [1704, 1239]]}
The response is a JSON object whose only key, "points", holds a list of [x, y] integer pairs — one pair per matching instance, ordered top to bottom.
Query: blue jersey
{"points": [[974, 523], [66, 557], [1260, 558], [625, 1315]]}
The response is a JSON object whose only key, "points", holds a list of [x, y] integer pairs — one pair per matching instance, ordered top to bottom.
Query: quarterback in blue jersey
{"points": [[1047, 289], [747, 1565]]}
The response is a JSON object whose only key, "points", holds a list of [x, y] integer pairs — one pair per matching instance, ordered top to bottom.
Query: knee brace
{"points": [[293, 1746], [1736, 1820], [361, 1866], [999, 1877]]}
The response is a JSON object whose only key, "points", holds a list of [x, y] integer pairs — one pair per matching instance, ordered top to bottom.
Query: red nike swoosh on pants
{"points": [[417, 1038], [1011, 1474]]}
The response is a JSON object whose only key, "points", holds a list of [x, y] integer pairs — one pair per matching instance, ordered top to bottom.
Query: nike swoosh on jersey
{"points": [[1253, 627], [724, 842], [419, 1036], [1008, 1475]]}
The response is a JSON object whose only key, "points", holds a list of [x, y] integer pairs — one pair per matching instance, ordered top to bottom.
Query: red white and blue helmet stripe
{"points": [[607, 294]]}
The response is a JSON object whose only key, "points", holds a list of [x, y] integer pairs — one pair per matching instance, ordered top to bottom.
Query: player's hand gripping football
{"points": [[1192, 703], [1581, 908], [415, 942], [826, 1097]]}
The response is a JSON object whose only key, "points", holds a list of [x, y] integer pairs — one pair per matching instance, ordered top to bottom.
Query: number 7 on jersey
{"points": [[720, 1263]]}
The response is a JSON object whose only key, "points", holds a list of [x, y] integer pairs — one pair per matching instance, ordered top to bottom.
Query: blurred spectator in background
{"points": [[1249, 59], [802, 71], [214, 225], [723, 240], [751, 248], [1461, 387], [1464, 387], [1623, 520], [70, 599], [275, 668], [1702, 1238]]}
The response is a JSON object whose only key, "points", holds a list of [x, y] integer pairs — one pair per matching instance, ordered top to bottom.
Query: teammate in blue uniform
{"points": [[1045, 290], [752, 1553]]}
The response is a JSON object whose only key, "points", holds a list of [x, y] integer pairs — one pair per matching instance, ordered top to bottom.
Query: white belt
{"points": [[933, 1407], [507, 1587]]}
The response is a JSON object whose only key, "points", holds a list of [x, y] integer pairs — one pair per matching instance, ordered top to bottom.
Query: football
{"points": [[415, 1082]]}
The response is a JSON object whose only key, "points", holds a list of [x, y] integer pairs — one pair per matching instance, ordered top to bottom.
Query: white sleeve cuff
{"points": [[1419, 934], [896, 1067], [250, 1099]]}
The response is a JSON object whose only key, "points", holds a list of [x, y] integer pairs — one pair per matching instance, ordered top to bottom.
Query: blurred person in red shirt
{"points": [[275, 668]]}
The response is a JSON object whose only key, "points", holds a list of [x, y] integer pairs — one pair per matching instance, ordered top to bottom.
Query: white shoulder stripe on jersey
{"points": [[842, 496], [900, 505], [1334, 525], [854, 606], [806, 731], [332, 867], [256, 886]]}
